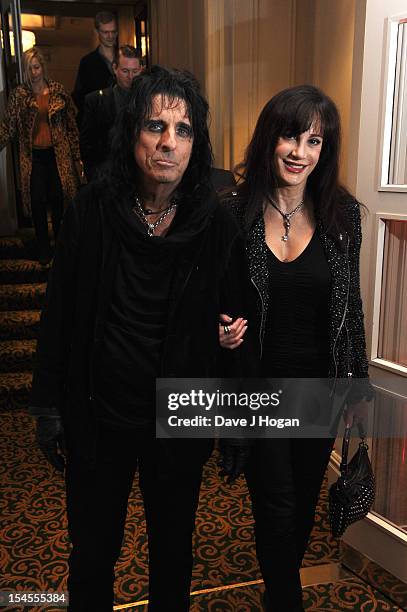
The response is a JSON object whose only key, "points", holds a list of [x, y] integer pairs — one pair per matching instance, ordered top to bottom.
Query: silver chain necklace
{"points": [[142, 214], [286, 217]]}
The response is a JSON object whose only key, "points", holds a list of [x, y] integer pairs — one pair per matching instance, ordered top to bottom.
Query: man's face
{"points": [[107, 34], [126, 70], [164, 146]]}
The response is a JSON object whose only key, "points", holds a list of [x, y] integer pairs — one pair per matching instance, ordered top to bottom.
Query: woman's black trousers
{"points": [[46, 194], [284, 477]]}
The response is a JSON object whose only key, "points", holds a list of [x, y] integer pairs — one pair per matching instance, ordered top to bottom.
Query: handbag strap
{"points": [[345, 447], [345, 450]]}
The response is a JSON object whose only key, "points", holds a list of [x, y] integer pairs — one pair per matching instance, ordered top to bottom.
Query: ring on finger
{"points": [[226, 329]]}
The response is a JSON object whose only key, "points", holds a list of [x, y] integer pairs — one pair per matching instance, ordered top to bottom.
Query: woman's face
{"points": [[36, 71], [296, 156]]}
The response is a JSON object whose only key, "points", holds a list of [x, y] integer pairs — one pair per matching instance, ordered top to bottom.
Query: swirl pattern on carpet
{"points": [[36, 547]]}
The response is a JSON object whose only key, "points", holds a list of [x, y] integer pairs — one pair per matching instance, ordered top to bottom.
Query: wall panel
{"points": [[245, 51], [250, 56]]}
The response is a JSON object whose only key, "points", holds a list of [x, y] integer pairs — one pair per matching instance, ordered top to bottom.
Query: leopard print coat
{"points": [[19, 122]]}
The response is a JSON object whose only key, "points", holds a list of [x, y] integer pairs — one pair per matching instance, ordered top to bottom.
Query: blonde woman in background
{"points": [[41, 116]]}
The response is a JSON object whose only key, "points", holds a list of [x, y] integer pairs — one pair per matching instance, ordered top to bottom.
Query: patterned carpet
{"points": [[22, 289], [35, 546]]}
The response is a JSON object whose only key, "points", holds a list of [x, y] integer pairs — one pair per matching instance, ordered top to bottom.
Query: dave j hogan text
{"points": [[256, 420]]}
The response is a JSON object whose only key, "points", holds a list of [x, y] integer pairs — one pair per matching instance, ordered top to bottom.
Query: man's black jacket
{"points": [[93, 74], [99, 113], [210, 277]]}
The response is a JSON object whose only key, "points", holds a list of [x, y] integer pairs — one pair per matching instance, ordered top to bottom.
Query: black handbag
{"points": [[352, 495]]}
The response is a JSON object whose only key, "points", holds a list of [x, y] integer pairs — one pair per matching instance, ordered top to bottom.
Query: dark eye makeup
{"points": [[155, 125], [183, 129], [314, 140]]}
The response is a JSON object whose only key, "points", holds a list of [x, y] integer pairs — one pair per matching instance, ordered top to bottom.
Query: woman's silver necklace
{"points": [[142, 214], [286, 217]]}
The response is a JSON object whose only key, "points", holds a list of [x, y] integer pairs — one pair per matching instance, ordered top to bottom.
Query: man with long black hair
{"points": [[146, 261]]}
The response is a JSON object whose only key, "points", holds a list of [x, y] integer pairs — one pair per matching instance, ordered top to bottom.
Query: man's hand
{"points": [[231, 332], [50, 439], [234, 456]]}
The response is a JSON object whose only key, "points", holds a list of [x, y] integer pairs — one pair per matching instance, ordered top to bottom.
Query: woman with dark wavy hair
{"points": [[303, 237]]}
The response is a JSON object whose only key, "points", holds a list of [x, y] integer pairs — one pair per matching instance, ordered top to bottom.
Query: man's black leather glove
{"points": [[50, 439], [234, 453]]}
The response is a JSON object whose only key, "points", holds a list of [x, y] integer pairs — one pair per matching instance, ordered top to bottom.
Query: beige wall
{"points": [[125, 16], [177, 35], [64, 46], [257, 47], [238, 49], [245, 51], [250, 53], [324, 55], [332, 59]]}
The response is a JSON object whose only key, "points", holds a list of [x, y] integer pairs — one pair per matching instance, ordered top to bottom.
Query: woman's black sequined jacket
{"points": [[346, 334]]}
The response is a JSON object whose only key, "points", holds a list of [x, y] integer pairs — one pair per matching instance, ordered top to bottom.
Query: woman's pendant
{"points": [[287, 226]]}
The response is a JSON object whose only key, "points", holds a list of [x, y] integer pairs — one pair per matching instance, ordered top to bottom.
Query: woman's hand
{"points": [[231, 332], [357, 413]]}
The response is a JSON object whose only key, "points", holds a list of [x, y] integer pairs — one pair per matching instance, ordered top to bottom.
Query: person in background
{"points": [[95, 69], [102, 106], [41, 115], [303, 232]]}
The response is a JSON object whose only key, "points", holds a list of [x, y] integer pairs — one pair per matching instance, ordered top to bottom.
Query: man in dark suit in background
{"points": [[95, 69], [101, 107]]}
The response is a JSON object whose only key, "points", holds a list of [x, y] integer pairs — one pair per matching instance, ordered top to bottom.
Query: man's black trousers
{"points": [[170, 473]]}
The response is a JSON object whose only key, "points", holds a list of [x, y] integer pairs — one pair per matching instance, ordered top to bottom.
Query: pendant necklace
{"points": [[143, 214], [286, 217]]}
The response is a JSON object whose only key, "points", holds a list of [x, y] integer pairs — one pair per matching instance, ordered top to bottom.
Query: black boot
{"points": [[44, 254]]}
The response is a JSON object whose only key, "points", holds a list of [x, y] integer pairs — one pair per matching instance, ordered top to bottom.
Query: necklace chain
{"points": [[142, 214], [286, 217]]}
